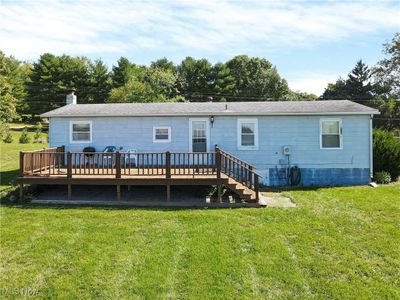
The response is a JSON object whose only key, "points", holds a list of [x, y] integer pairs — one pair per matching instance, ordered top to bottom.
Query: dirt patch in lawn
{"points": [[274, 199]]}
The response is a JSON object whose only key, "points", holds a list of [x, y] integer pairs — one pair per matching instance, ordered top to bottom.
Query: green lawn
{"points": [[9, 158], [339, 243]]}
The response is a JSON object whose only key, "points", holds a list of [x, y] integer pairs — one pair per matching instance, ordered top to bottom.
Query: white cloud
{"points": [[29, 28], [312, 82]]}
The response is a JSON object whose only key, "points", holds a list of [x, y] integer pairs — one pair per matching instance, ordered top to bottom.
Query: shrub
{"points": [[6, 134], [24, 138], [37, 138], [8, 139], [386, 153], [382, 177]]}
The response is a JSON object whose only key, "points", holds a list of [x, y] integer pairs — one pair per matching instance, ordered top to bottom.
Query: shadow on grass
{"points": [[9, 177], [32, 192]]}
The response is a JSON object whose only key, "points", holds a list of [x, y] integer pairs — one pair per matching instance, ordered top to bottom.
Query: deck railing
{"points": [[45, 161], [55, 161], [240, 171]]}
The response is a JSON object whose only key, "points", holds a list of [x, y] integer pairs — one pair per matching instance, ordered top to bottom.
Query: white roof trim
{"points": [[213, 114]]}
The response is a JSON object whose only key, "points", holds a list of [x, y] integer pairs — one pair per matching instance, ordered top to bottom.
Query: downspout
{"points": [[371, 162]]}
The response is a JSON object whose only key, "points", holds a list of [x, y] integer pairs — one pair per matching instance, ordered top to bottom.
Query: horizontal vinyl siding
{"points": [[129, 133], [301, 133]]}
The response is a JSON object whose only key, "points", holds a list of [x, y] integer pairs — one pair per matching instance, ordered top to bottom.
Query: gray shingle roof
{"points": [[212, 108]]}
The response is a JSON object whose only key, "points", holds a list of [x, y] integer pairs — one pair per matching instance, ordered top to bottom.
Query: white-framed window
{"points": [[80, 131], [247, 132], [162, 134], [331, 134]]}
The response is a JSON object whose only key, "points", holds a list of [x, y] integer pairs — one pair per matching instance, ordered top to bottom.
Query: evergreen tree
{"points": [[121, 72], [51, 78], [100, 82], [223, 83], [358, 84], [356, 87]]}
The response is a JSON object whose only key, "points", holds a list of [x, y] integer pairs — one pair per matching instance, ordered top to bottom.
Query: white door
{"points": [[198, 135]]}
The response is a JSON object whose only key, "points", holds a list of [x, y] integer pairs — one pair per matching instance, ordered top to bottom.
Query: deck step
{"points": [[241, 190]]}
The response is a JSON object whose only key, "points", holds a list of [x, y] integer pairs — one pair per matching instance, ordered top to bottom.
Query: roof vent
{"points": [[71, 97]]}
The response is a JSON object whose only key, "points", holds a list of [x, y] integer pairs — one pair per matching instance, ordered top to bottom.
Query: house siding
{"points": [[347, 166]]}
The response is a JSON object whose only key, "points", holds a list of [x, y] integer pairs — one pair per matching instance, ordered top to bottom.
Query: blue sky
{"points": [[310, 42]]}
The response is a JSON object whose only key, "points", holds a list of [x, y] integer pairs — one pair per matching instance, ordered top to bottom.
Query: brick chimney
{"points": [[71, 97]]}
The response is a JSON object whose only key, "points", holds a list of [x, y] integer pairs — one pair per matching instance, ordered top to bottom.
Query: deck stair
{"points": [[239, 177], [241, 190]]}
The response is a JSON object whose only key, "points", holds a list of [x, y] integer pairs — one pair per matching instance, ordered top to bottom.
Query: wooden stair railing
{"points": [[243, 174]]}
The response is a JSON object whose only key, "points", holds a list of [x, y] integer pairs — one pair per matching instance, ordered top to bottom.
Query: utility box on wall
{"points": [[286, 150]]}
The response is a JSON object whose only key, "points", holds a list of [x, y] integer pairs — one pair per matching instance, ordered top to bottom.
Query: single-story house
{"points": [[327, 142]]}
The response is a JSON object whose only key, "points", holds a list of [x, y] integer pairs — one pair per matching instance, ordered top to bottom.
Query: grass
{"points": [[9, 158], [338, 243]]}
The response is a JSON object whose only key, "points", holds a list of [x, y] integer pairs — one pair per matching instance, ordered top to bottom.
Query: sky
{"points": [[311, 43]]}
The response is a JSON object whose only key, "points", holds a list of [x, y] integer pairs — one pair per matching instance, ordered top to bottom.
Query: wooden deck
{"points": [[54, 166]]}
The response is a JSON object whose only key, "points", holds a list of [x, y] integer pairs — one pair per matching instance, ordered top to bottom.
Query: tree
{"points": [[163, 64], [122, 72], [386, 73], [13, 75], [386, 76], [51, 78], [194, 78], [256, 79], [100, 82], [162, 82], [223, 83], [358, 83], [154, 86], [357, 86], [297, 96]]}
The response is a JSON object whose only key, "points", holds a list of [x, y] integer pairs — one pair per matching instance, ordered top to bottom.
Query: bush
{"points": [[6, 134], [24, 138], [37, 138], [8, 139], [386, 153], [382, 177]]}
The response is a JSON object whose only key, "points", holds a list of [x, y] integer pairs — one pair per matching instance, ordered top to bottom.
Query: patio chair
{"points": [[109, 153], [131, 157]]}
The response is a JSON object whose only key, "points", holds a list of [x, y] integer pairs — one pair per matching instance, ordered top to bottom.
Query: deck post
{"points": [[62, 150], [218, 162], [21, 164], [168, 164], [69, 165], [118, 165], [256, 187], [21, 192], [118, 192], [168, 192], [69, 196], [219, 199]]}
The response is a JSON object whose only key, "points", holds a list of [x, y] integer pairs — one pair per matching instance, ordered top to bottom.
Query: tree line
{"points": [[42, 86], [34, 88]]}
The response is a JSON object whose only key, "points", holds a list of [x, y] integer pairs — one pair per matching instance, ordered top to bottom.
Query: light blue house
{"points": [[329, 141]]}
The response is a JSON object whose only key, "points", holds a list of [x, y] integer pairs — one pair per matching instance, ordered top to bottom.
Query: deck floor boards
{"points": [[181, 173]]}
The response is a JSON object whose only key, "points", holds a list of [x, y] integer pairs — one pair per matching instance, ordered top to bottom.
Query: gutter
{"points": [[48, 115]]}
